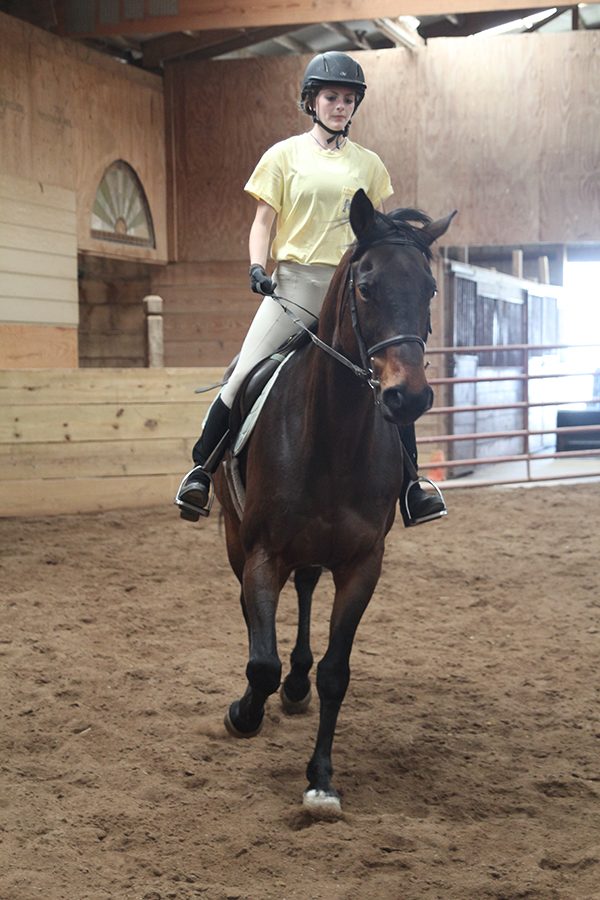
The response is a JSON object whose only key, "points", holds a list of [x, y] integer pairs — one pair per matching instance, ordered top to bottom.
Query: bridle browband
{"points": [[365, 372]]}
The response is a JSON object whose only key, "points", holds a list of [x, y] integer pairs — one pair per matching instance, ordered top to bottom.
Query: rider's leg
{"points": [[270, 328], [194, 491], [416, 505]]}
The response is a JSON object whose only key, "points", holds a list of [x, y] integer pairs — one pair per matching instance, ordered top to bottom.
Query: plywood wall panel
{"points": [[68, 113], [227, 113], [387, 120], [479, 137], [570, 137], [16, 144], [207, 310], [36, 347]]}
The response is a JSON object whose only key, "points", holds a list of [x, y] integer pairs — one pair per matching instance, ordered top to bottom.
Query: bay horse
{"points": [[324, 469]]}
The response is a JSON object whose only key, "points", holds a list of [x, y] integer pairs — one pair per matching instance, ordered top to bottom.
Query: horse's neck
{"points": [[340, 412]]}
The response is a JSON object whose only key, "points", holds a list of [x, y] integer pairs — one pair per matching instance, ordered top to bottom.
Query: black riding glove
{"points": [[260, 281]]}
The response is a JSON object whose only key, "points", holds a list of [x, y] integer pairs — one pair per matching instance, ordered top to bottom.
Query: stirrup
{"points": [[190, 511], [408, 518]]}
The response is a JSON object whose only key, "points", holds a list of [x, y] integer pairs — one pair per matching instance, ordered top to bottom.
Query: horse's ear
{"points": [[362, 213], [435, 230]]}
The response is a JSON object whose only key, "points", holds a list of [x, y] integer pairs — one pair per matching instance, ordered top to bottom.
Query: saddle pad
{"points": [[249, 422]]}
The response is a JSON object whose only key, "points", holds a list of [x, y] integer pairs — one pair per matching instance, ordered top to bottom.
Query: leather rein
{"points": [[364, 372]]}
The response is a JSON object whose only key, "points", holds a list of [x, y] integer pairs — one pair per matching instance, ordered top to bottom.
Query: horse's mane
{"points": [[397, 226]]}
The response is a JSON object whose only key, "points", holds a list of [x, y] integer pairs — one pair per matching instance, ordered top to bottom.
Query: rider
{"points": [[304, 185]]}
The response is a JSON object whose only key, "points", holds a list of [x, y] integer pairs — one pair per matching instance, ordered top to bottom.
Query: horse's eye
{"points": [[365, 290]]}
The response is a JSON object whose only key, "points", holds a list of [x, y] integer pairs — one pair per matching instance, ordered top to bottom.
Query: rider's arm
{"points": [[260, 234]]}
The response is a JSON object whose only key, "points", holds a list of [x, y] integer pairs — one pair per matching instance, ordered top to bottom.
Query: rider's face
{"points": [[335, 105]]}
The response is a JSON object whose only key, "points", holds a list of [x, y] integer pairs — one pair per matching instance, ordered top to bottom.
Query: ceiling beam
{"points": [[84, 18], [463, 26], [345, 32], [204, 44]]}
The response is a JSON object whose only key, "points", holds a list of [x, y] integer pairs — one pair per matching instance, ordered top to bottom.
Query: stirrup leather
{"points": [[186, 506], [408, 517]]}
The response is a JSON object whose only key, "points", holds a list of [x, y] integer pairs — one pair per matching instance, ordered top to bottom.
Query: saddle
{"points": [[253, 386], [245, 412]]}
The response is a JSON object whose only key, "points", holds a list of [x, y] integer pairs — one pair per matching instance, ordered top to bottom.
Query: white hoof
{"points": [[294, 707], [322, 804]]}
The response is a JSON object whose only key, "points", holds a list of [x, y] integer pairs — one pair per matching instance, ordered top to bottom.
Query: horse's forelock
{"points": [[394, 224]]}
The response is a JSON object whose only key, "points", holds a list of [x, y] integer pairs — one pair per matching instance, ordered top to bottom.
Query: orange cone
{"points": [[437, 473]]}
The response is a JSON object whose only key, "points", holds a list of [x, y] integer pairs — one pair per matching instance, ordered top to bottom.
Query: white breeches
{"points": [[304, 285]]}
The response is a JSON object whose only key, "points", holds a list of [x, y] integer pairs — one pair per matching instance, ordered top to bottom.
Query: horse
{"points": [[324, 468]]}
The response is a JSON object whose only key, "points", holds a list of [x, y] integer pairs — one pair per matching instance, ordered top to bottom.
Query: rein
{"points": [[365, 373]]}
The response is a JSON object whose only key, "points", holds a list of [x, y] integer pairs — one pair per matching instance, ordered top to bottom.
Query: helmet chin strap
{"points": [[335, 135]]}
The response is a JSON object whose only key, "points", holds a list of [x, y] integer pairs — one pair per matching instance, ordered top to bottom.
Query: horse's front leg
{"points": [[261, 585], [354, 588], [295, 690]]}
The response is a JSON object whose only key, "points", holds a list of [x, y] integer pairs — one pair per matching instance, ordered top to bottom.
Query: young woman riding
{"points": [[303, 185]]}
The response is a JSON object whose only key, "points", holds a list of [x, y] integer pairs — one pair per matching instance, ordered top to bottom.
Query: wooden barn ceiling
{"points": [[150, 33]]}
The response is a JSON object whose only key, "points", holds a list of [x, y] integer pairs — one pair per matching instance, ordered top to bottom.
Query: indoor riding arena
{"points": [[467, 748]]}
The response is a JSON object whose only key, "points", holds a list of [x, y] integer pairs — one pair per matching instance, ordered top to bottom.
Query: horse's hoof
{"points": [[294, 707], [234, 730], [322, 804]]}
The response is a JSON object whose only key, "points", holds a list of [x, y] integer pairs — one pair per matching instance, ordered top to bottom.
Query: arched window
{"points": [[121, 212]]}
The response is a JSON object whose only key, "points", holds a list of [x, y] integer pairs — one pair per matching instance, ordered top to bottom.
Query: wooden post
{"points": [[517, 263], [543, 270], [154, 331]]}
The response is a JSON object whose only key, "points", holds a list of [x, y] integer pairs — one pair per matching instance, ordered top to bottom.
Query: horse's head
{"points": [[391, 287]]}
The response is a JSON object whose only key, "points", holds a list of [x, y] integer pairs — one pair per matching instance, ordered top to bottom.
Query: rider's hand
{"points": [[260, 281]]}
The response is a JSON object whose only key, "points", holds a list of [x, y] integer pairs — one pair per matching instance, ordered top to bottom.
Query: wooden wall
{"points": [[66, 114], [504, 130], [509, 137], [38, 274], [112, 329], [93, 439]]}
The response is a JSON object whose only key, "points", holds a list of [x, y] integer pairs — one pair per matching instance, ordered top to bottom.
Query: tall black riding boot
{"points": [[193, 495], [416, 505]]}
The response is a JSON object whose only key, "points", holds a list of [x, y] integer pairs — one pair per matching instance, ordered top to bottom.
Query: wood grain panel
{"points": [[68, 113], [387, 120], [223, 121], [479, 137], [16, 145], [570, 148], [208, 181], [36, 346], [202, 353], [54, 386], [99, 422], [82, 440], [87, 459], [60, 496]]}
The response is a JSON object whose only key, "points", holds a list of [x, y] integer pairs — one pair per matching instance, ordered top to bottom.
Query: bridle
{"points": [[365, 372]]}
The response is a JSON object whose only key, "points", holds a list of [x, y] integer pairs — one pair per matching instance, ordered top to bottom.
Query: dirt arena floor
{"points": [[468, 748]]}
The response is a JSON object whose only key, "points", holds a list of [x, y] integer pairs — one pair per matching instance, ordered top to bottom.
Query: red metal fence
{"points": [[536, 440]]}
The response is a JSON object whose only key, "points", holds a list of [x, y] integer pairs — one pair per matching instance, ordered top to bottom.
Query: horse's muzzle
{"points": [[402, 407]]}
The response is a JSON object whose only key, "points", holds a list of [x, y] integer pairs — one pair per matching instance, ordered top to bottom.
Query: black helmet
{"points": [[332, 68]]}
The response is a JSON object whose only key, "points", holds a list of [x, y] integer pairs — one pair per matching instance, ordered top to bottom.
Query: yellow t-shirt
{"points": [[310, 189]]}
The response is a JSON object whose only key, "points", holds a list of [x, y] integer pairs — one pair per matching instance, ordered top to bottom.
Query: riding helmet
{"points": [[332, 67]]}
